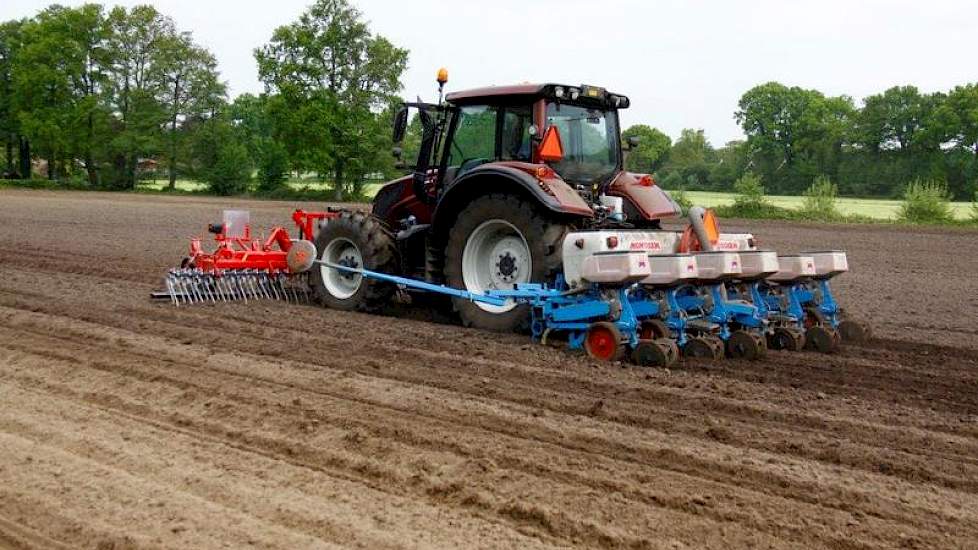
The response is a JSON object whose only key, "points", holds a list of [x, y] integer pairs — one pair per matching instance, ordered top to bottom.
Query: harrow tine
{"points": [[270, 279], [239, 283], [281, 287], [221, 288], [187, 289], [170, 290]]}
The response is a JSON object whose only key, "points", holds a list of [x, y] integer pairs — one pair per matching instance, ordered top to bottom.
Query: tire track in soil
{"points": [[753, 418], [871, 448], [552, 523]]}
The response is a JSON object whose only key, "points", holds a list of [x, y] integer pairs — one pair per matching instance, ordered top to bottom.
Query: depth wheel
{"points": [[787, 339], [822, 339], [604, 342], [743, 345], [652, 353]]}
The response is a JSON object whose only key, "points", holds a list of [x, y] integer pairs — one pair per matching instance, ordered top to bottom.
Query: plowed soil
{"points": [[131, 424]]}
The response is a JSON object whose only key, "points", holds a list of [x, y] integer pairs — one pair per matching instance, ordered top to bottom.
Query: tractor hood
{"points": [[646, 199]]}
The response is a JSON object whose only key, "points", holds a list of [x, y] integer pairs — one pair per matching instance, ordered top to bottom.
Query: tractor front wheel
{"points": [[354, 240]]}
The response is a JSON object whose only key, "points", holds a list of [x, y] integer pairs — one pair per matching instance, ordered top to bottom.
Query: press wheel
{"points": [[853, 331], [786, 338], [822, 339], [743, 345], [704, 347], [652, 353]]}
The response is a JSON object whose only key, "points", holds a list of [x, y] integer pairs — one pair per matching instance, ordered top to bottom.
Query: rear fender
{"points": [[533, 180], [396, 200]]}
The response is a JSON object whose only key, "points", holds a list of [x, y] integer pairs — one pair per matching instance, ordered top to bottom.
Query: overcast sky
{"points": [[684, 64]]}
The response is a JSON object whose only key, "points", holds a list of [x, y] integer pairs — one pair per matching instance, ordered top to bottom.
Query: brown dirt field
{"points": [[129, 424]]}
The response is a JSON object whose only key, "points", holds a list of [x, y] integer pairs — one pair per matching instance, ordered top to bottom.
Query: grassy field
{"points": [[191, 186], [880, 209]]}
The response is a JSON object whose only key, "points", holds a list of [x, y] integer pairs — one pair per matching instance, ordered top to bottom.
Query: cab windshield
{"points": [[590, 140]]}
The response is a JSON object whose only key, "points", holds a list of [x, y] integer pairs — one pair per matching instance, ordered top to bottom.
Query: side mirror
{"points": [[400, 124], [633, 142], [396, 152]]}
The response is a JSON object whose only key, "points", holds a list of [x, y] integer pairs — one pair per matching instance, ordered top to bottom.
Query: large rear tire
{"points": [[356, 240], [499, 241]]}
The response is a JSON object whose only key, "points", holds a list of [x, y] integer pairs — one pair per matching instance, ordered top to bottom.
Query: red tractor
{"points": [[502, 175]]}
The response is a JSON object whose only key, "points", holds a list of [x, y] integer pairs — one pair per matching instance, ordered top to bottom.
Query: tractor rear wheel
{"points": [[358, 241], [499, 241]]}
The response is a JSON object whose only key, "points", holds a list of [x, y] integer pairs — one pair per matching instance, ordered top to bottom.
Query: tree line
{"points": [[108, 95], [796, 135]]}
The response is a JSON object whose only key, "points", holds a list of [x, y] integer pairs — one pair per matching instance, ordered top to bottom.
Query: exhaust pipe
{"points": [[696, 215]]}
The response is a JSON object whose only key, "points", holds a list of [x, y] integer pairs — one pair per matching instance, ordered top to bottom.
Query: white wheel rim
{"points": [[495, 257], [341, 284]]}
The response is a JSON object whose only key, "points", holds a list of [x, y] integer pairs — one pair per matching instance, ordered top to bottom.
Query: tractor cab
{"points": [[559, 142]]}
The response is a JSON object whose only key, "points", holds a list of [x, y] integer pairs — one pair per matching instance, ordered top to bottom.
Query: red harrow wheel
{"points": [[604, 342]]}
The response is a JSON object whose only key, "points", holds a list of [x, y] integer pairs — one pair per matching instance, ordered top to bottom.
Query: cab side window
{"points": [[475, 136], [515, 138]]}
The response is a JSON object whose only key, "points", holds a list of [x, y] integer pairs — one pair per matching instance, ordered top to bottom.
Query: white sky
{"points": [[684, 64]]}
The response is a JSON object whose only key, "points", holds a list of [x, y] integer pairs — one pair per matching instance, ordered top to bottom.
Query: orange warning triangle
{"points": [[551, 148]]}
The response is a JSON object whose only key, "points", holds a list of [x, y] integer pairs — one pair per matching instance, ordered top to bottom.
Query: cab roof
{"points": [[494, 94], [463, 97]]}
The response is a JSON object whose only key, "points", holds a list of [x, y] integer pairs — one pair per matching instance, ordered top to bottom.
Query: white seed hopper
{"points": [[671, 270]]}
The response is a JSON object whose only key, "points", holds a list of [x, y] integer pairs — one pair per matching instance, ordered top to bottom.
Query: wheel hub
{"points": [[506, 266], [338, 282]]}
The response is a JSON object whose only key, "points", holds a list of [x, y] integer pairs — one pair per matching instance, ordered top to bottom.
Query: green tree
{"points": [[10, 40], [136, 49], [49, 61], [335, 79], [189, 88], [963, 103], [894, 119], [793, 134], [652, 149], [221, 157], [691, 157]]}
